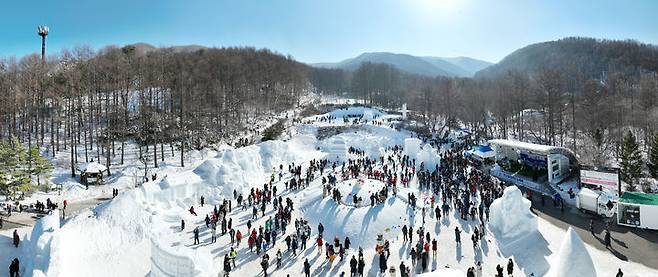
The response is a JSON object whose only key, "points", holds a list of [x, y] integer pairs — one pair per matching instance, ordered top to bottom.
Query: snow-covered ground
{"points": [[140, 229]]}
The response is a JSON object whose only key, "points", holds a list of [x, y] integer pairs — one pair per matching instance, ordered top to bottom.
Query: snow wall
{"points": [[415, 149], [510, 217], [179, 262]]}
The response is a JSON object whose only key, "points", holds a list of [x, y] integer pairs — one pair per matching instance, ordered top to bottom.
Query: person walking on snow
{"points": [[196, 235], [458, 235], [213, 238], [17, 239], [227, 265], [510, 267], [307, 268], [619, 273]]}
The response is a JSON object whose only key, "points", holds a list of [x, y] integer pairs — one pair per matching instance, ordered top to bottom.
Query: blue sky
{"points": [[325, 30]]}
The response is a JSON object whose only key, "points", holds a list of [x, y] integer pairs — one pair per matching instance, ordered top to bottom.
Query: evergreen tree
{"points": [[653, 157], [631, 161], [40, 165], [17, 166]]}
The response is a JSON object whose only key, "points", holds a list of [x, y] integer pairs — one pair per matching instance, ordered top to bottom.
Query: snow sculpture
{"points": [[510, 216], [573, 258]]}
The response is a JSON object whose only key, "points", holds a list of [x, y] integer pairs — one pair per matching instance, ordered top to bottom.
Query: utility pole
{"points": [[43, 33]]}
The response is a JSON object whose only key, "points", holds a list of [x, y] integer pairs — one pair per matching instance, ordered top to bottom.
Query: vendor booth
{"points": [[481, 153], [636, 209]]}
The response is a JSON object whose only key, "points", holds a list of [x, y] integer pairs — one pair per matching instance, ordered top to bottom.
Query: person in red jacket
{"points": [[238, 238], [320, 243]]}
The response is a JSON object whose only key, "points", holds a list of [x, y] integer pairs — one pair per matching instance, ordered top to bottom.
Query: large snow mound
{"points": [[510, 216], [110, 233], [38, 247], [573, 258]]}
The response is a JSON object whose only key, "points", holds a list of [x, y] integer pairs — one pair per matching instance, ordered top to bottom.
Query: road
{"points": [[25, 219], [628, 244]]}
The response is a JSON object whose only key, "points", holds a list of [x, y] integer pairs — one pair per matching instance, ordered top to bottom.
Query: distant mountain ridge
{"points": [[593, 58], [427, 66]]}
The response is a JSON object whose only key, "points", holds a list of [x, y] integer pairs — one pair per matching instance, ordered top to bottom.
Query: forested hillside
{"points": [[591, 58], [99, 100]]}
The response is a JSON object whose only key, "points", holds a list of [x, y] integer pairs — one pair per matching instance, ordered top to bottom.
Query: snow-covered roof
{"points": [[532, 147], [92, 167]]}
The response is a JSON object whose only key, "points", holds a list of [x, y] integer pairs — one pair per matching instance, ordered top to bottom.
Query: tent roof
{"points": [[484, 148], [92, 167], [639, 198]]}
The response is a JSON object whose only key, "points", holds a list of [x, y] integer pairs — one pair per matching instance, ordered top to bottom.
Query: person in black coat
{"points": [[458, 238], [17, 239], [607, 239], [382, 263], [227, 265], [362, 265], [353, 266], [510, 267], [14, 268], [307, 268], [403, 270], [499, 271], [619, 273]]}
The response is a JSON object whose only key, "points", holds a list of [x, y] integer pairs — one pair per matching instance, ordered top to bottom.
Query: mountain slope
{"points": [[590, 57], [427, 66]]}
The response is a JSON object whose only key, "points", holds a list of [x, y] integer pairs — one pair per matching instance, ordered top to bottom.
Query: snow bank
{"points": [[414, 148], [510, 216], [112, 233], [38, 246], [573, 258], [180, 261]]}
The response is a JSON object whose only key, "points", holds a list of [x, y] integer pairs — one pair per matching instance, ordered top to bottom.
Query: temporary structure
{"points": [[92, 172], [638, 209]]}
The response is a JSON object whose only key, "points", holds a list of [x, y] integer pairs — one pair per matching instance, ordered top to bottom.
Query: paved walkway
{"points": [[26, 219], [628, 244]]}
